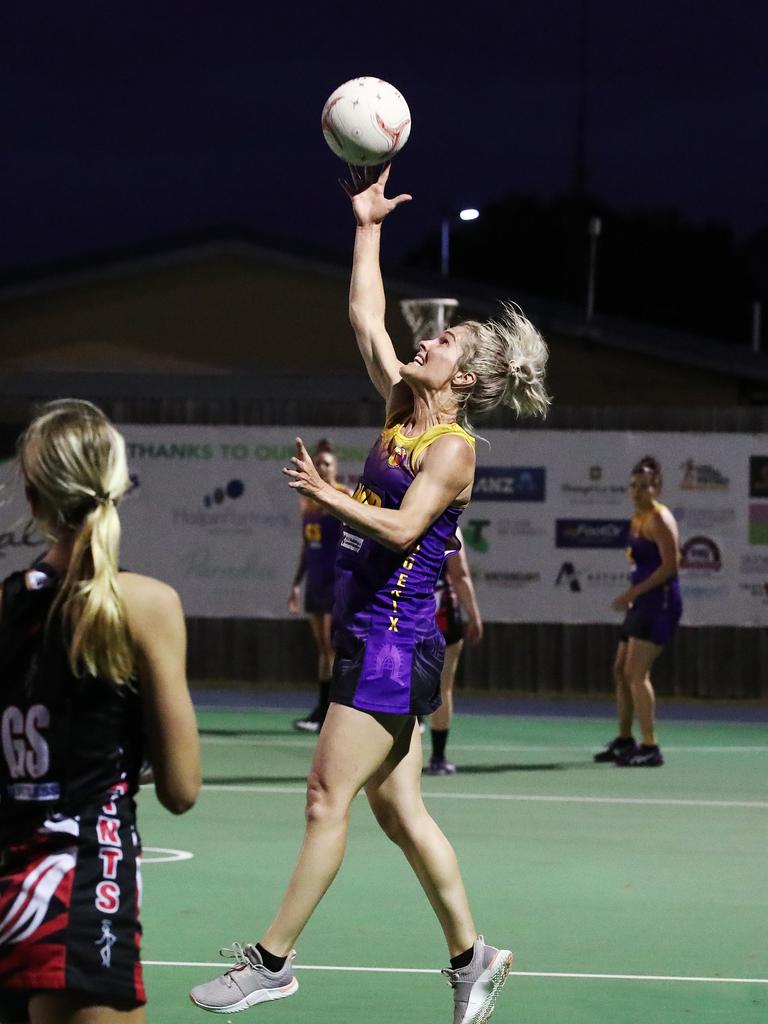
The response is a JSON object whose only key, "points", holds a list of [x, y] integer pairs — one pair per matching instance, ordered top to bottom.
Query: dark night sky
{"points": [[122, 125]]}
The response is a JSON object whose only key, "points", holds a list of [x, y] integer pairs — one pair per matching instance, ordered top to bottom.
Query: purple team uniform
{"points": [[321, 532], [654, 616], [389, 650]]}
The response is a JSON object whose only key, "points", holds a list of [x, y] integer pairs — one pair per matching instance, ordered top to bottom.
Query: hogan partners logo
{"points": [[222, 513]]}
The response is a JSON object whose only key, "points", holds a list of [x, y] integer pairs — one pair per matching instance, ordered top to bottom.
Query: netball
{"points": [[366, 121]]}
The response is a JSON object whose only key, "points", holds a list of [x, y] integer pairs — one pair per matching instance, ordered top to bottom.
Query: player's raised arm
{"points": [[366, 293]]}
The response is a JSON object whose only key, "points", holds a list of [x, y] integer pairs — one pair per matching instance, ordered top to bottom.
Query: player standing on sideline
{"points": [[416, 482], [320, 532], [455, 591], [654, 605], [93, 667]]}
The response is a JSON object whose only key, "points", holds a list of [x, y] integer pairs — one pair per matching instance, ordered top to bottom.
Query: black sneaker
{"points": [[622, 746], [646, 756]]}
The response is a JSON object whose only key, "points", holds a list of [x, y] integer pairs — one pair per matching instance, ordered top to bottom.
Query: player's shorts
{"points": [[318, 598], [448, 618], [655, 622], [378, 674], [69, 906]]}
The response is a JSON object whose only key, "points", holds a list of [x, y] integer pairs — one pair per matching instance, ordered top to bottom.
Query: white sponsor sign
{"points": [[212, 514]]}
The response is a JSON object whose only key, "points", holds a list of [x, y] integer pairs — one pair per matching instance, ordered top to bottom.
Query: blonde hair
{"points": [[508, 357], [74, 462]]}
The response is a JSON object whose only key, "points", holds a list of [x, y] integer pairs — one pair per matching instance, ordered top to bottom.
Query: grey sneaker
{"points": [[247, 983], [476, 986]]}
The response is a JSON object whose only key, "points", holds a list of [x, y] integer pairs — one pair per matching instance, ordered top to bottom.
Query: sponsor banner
{"points": [[510, 483], [211, 513], [591, 533]]}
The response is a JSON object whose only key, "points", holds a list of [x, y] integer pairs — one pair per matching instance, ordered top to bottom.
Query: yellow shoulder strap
{"points": [[423, 441]]}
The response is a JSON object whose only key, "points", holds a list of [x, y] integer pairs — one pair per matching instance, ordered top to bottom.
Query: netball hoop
{"points": [[427, 318]]}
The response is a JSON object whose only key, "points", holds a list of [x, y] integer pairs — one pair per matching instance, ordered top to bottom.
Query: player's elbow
{"points": [[404, 540], [179, 797], [178, 803]]}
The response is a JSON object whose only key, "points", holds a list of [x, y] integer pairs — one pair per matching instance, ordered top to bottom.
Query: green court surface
{"points": [[628, 895]]}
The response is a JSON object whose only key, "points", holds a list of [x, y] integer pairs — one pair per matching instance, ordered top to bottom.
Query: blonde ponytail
{"points": [[508, 357], [74, 462]]}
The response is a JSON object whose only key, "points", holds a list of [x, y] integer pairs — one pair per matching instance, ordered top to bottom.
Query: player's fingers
{"points": [[354, 173], [384, 174], [403, 198]]}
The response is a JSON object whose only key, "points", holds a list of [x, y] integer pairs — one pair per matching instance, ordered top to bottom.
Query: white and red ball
{"points": [[366, 121]]}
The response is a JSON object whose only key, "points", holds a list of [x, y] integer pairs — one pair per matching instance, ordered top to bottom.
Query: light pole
{"points": [[595, 227], [445, 238]]}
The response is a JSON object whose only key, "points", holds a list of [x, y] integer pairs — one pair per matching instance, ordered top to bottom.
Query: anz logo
{"points": [[510, 483]]}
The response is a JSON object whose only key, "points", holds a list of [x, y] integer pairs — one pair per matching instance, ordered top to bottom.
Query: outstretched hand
{"points": [[369, 203], [304, 476]]}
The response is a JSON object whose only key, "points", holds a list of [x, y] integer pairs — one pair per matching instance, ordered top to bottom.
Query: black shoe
{"points": [[621, 747], [645, 756]]}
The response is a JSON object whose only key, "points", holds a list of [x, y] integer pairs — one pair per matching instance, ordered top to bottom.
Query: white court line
{"points": [[271, 741], [224, 787], [166, 855], [517, 974]]}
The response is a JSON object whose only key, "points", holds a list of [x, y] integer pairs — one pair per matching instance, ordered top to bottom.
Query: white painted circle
{"points": [[166, 856]]}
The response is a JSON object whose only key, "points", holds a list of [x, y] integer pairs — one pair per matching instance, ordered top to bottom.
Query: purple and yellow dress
{"points": [[654, 616], [389, 651]]}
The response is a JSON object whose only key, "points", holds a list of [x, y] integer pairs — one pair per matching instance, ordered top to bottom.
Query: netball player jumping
{"points": [[398, 525], [93, 668]]}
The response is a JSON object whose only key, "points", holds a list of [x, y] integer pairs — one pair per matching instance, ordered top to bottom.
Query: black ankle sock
{"points": [[439, 740], [463, 959], [271, 962]]}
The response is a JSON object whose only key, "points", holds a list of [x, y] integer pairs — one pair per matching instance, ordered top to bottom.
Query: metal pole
{"points": [[595, 227], [445, 246], [757, 317]]}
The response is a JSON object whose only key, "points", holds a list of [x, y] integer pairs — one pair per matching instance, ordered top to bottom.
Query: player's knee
{"points": [[322, 804]]}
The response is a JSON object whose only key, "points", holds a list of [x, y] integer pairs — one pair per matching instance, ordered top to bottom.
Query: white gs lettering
{"points": [[14, 748], [25, 748]]}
